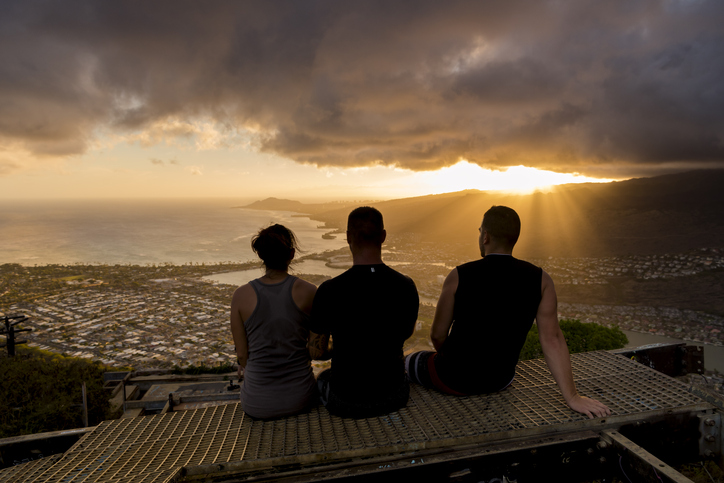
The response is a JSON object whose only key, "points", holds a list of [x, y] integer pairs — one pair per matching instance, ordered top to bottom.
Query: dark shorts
{"points": [[420, 367], [372, 406]]}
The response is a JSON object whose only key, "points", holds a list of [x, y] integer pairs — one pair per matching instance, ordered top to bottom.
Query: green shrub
{"points": [[580, 337], [41, 391]]}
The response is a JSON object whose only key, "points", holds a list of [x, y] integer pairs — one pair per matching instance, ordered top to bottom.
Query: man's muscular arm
{"points": [[444, 311], [556, 353]]}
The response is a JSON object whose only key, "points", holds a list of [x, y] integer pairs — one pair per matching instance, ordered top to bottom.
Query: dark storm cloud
{"points": [[587, 86]]}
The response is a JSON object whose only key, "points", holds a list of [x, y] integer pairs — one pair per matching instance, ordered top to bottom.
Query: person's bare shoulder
{"points": [[546, 278], [451, 281], [547, 283], [305, 286], [304, 290], [243, 293], [303, 294], [243, 302]]}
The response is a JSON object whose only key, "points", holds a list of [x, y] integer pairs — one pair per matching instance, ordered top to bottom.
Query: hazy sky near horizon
{"points": [[341, 99]]}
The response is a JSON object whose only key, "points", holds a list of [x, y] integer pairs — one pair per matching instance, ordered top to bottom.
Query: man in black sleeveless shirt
{"points": [[493, 302], [369, 310]]}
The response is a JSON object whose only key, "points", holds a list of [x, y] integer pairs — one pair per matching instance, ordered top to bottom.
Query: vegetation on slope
{"points": [[580, 337], [41, 391]]}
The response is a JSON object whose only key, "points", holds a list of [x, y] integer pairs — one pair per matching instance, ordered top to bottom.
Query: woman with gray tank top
{"points": [[269, 323]]}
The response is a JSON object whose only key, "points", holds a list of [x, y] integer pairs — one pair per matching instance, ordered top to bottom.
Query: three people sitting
{"points": [[279, 323]]}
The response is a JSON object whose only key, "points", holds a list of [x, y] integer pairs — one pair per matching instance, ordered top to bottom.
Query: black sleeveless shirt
{"points": [[495, 304]]}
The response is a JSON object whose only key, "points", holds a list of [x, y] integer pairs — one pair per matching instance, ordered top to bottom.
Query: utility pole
{"points": [[9, 331], [85, 406]]}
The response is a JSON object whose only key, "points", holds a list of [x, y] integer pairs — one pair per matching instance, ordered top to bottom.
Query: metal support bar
{"points": [[671, 359], [694, 359], [120, 381], [232, 396], [169, 404], [154, 405], [85, 406], [710, 436], [562, 454], [632, 458]]}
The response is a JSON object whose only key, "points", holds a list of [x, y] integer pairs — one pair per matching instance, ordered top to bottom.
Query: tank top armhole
{"points": [[290, 292], [256, 306]]}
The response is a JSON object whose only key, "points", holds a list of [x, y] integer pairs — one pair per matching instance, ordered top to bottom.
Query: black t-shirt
{"points": [[496, 302], [370, 310]]}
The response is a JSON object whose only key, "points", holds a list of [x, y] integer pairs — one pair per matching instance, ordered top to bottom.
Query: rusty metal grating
{"points": [[155, 448], [27, 471]]}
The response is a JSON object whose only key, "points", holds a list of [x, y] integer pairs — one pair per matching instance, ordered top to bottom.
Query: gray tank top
{"points": [[278, 378]]}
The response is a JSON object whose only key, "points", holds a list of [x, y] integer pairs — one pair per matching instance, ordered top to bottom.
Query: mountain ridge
{"points": [[641, 216]]}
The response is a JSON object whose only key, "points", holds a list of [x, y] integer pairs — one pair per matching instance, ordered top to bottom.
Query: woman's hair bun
{"points": [[275, 245]]}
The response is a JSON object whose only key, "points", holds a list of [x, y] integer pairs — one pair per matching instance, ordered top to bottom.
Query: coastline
{"points": [[144, 232]]}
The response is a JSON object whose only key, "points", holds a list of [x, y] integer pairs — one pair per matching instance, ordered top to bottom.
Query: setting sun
{"points": [[516, 179]]}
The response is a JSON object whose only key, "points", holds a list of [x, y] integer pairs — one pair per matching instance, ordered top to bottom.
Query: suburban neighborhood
{"points": [[169, 316]]}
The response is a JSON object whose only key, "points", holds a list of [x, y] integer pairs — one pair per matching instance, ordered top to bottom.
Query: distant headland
{"points": [[644, 216]]}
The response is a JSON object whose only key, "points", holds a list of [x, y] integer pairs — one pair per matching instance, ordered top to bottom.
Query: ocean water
{"points": [[142, 232], [316, 267]]}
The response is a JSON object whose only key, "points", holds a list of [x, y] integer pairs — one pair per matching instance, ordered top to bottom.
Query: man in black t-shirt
{"points": [[369, 311], [484, 313]]}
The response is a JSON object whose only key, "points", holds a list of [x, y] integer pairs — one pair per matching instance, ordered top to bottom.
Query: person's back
{"points": [[495, 305], [375, 307], [370, 310], [483, 316], [269, 324], [278, 378]]}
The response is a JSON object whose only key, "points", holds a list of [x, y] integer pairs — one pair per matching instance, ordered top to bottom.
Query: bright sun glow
{"points": [[517, 179]]}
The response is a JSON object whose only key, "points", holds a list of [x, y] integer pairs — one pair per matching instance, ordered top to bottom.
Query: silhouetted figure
{"points": [[369, 310], [484, 313], [270, 326]]}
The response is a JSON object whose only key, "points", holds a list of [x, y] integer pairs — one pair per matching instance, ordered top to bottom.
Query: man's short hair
{"points": [[503, 224], [365, 225]]}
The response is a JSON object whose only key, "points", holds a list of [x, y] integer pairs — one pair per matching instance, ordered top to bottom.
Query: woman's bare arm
{"points": [[242, 305]]}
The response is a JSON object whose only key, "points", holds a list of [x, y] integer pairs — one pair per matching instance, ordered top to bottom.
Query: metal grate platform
{"points": [[155, 448], [28, 471]]}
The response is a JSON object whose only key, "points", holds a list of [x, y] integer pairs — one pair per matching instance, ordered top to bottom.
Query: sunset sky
{"points": [[316, 100]]}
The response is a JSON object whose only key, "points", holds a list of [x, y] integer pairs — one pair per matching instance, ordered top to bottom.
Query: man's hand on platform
{"points": [[589, 407]]}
